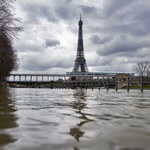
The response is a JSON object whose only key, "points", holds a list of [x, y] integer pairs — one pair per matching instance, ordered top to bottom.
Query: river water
{"points": [[50, 119]]}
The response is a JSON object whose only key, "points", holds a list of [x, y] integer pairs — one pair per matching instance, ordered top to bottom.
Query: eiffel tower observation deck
{"points": [[80, 62]]}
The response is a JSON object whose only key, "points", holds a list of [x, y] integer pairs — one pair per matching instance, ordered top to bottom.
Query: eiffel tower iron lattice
{"points": [[80, 62]]}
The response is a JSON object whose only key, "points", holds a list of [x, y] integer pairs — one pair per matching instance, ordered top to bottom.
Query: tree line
{"points": [[8, 31]]}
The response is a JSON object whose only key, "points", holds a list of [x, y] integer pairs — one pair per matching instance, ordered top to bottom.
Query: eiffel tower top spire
{"points": [[80, 21], [80, 62]]}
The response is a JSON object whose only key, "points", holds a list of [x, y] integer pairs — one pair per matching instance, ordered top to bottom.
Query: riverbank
{"points": [[137, 87]]}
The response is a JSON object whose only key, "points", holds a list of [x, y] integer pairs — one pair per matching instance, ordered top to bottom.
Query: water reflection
{"points": [[79, 104], [7, 117], [75, 148]]}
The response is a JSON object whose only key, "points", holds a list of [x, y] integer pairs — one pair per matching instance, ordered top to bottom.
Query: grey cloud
{"points": [[111, 7], [69, 9], [87, 9], [65, 11], [35, 12], [124, 17], [129, 28], [132, 28], [97, 40], [50, 43], [123, 45], [25, 46], [101, 61], [33, 63]]}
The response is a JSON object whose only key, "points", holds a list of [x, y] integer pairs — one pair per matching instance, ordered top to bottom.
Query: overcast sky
{"points": [[116, 34]]}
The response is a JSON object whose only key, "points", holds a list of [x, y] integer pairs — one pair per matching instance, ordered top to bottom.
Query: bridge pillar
{"points": [[19, 78], [30, 78], [36, 78], [65, 82], [86, 82], [92, 83], [98, 83], [107, 83], [141, 83], [128, 84], [116, 86]]}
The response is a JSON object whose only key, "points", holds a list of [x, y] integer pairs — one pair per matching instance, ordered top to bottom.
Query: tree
{"points": [[7, 19], [8, 31], [8, 58], [142, 68]]}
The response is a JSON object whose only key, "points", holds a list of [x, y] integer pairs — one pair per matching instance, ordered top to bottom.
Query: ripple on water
{"points": [[76, 119]]}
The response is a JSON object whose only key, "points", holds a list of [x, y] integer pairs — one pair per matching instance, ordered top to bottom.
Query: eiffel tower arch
{"points": [[80, 61]]}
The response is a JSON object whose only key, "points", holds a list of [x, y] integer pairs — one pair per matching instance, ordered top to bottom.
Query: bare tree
{"points": [[8, 20], [8, 31], [142, 68]]}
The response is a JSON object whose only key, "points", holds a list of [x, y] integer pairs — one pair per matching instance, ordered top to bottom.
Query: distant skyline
{"points": [[116, 34]]}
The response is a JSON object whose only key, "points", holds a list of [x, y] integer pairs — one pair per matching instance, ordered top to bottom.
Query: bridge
{"points": [[53, 77], [67, 80], [76, 80]]}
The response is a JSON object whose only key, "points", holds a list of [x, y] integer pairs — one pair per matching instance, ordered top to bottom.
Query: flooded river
{"points": [[50, 119]]}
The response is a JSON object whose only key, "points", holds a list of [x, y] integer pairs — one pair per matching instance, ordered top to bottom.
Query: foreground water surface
{"points": [[50, 119]]}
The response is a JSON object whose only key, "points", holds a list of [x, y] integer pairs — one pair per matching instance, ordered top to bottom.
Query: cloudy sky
{"points": [[116, 34]]}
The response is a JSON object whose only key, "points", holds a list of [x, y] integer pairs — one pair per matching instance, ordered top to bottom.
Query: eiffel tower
{"points": [[80, 62]]}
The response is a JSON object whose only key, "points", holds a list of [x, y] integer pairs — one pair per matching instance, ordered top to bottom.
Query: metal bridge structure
{"points": [[55, 77], [59, 80], [86, 81]]}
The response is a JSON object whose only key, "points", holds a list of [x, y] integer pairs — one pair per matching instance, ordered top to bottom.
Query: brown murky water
{"points": [[50, 119]]}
